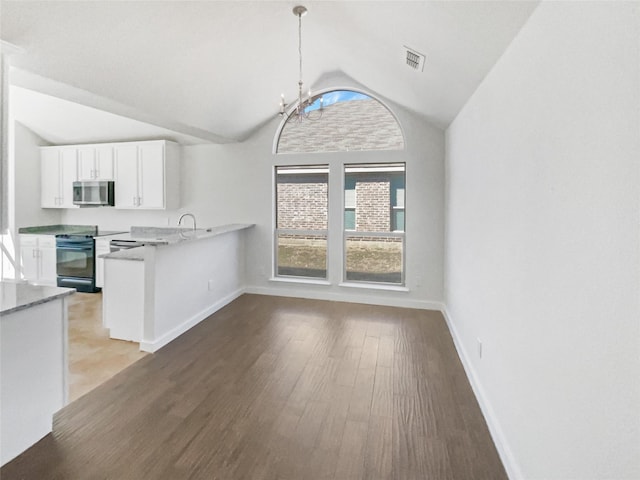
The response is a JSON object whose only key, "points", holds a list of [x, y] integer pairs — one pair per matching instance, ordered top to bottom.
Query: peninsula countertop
{"points": [[160, 236], [19, 296]]}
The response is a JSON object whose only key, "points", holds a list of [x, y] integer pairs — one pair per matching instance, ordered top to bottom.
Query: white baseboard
{"points": [[355, 297], [157, 344], [497, 434]]}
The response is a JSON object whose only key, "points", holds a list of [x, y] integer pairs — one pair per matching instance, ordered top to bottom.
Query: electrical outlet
{"points": [[419, 281], [210, 284], [479, 348]]}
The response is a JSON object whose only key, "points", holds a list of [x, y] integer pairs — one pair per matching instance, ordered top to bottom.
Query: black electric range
{"points": [[76, 259]]}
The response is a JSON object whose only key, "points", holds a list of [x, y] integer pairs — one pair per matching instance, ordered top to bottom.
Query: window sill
{"points": [[309, 281], [374, 286]]}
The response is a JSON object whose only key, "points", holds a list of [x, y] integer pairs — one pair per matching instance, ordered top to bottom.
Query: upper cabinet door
{"points": [[86, 163], [95, 163], [104, 163], [68, 175], [50, 178], [151, 182], [126, 186]]}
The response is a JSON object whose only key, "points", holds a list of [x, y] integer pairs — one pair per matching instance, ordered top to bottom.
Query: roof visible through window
{"points": [[349, 121]]}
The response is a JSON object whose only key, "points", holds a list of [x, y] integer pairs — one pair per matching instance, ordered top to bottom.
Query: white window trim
{"points": [[307, 280], [392, 287]]}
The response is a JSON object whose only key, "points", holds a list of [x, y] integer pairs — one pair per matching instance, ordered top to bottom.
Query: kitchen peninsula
{"points": [[154, 293], [33, 363]]}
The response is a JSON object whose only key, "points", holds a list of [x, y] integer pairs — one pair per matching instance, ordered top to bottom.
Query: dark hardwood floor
{"points": [[280, 388]]}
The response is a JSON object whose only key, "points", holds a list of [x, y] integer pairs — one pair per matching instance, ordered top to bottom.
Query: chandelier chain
{"points": [[300, 44], [300, 111]]}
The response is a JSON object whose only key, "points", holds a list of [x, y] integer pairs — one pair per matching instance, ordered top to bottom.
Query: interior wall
{"points": [[424, 157], [27, 180], [233, 183], [543, 191]]}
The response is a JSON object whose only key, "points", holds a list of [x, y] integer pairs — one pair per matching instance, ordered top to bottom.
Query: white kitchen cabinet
{"points": [[95, 162], [59, 169], [147, 175], [126, 189], [102, 248], [38, 259], [123, 299]]}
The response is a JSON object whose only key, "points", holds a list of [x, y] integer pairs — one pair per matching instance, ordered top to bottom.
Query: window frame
{"points": [[289, 110], [289, 231], [391, 234]]}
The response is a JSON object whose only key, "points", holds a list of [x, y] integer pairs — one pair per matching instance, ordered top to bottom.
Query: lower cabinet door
{"points": [[48, 274]]}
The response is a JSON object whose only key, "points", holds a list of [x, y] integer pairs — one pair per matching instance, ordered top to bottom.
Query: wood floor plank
{"points": [[275, 388], [352, 451], [378, 455]]}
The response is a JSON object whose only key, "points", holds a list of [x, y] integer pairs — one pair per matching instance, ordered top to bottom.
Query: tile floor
{"points": [[93, 356]]}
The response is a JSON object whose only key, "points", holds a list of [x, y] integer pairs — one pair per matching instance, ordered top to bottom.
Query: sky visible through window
{"points": [[336, 96]]}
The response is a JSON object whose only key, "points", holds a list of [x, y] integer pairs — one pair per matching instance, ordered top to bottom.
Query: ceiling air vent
{"points": [[414, 59]]}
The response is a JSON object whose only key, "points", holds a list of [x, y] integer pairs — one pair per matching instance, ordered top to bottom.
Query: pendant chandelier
{"points": [[303, 110]]}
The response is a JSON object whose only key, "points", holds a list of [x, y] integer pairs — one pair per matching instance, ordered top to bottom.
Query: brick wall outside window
{"points": [[302, 202], [373, 203]]}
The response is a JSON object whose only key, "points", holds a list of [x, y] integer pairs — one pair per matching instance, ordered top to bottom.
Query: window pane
{"points": [[343, 121], [375, 192], [301, 197], [349, 219], [301, 221], [397, 223], [302, 255], [372, 259]]}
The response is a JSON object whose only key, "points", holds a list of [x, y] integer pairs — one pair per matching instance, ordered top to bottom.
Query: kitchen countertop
{"points": [[58, 229], [92, 230], [166, 235], [162, 236], [19, 296]]}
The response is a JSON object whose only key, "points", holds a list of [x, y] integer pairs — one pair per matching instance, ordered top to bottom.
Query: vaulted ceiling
{"points": [[216, 69]]}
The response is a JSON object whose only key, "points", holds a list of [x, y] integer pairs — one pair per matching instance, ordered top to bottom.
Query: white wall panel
{"points": [[543, 191]]}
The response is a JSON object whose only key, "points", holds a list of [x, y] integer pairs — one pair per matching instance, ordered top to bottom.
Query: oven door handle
{"points": [[78, 249]]}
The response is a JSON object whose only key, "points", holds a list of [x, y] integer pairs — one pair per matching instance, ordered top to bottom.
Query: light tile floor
{"points": [[93, 356]]}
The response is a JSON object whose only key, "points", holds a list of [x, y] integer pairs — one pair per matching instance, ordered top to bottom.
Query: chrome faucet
{"points": [[187, 215]]}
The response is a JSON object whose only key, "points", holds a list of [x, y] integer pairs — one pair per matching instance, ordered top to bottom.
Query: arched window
{"points": [[350, 121]]}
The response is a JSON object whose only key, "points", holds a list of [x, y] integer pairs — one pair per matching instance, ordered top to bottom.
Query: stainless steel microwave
{"points": [[93, 194]]}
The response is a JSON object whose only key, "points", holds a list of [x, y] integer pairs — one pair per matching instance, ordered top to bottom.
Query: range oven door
{"points": [[75, 263]]}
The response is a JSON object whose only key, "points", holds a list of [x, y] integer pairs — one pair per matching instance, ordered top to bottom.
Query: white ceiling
{"points": [[215, 69], [63, 122]]}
